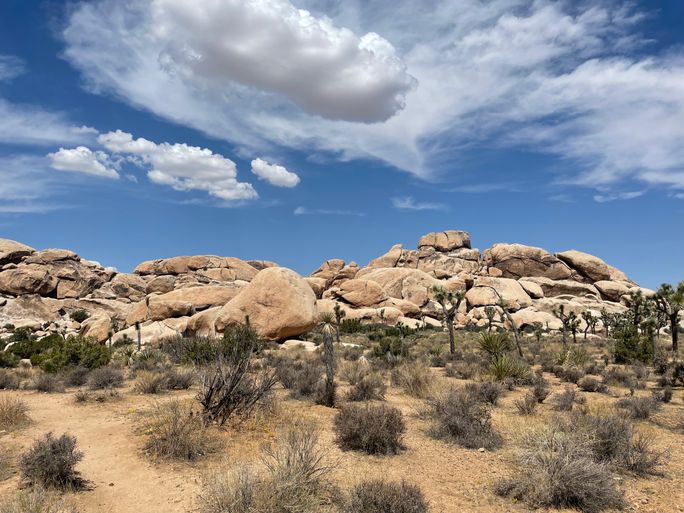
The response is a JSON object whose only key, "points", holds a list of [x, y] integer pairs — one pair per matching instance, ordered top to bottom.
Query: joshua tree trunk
{"points": [[674, 328], [137, 329], [452, 339], [329, 358]]}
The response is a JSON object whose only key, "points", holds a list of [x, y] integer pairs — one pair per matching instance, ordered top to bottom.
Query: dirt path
{"points": [[122, 479]]}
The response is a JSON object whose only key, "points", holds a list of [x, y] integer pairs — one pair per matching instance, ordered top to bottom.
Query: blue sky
{"points": [[298, 131]]}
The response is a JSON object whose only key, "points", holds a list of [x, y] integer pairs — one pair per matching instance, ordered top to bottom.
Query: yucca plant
{"points": [[326, 322], [495, 345], [509, 368]]}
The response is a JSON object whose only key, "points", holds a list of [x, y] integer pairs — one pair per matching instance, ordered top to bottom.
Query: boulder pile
{"points": [[204, 294]]}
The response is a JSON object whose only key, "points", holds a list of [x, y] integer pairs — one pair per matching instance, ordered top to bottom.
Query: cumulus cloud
{"points": [[571, 79], [83, 160], [181, 166], [274, 174], [408, 203]]}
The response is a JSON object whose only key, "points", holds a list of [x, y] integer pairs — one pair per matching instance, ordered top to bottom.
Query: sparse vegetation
{"points": [[105, 378], [13, 413], [372, 429], [51, 462], [378, 496]]}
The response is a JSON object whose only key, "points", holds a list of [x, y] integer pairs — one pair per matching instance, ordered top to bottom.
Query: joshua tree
{"points": [[453, 300], [670, 302], [637, 306], [490, 312], [560, 313], [340, 314], [590, 320], [606, 320], [326, 322], [573, 325], [137, 329], [538, 331]]}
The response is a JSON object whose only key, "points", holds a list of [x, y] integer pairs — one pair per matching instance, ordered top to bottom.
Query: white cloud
{"points": [[10, 67], [566, 78], [82, 160], [181, 166], [274, 174], [26, 185], [605, 198], [408, 203], [304, 211]]}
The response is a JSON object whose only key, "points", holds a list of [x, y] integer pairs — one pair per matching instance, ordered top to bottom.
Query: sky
{"points": [[303, 130]]}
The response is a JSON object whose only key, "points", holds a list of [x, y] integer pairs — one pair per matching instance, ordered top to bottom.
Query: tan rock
{"points": [[445, 241], [12, 251], [50, 256], [389, 259], [519, 261], [591, 267], [229, 268], [27, 279], [401, 283], [161, 284], [317, 285], [553, 288], [533, 290], [612, 290], [488, 291], [361, 293], [203, 296], [278, 302], [407, 308], [160, 309], [137, 313], [529, 317], [203, 323], [97, 326], [150, 332], [299, 344]]}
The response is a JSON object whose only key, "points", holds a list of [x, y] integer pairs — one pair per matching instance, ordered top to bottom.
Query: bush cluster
{"points": [[372, 429]]}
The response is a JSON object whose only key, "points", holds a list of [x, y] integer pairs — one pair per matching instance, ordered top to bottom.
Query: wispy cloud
{"points": [[484, 188], [617, 196], [408, 203], [304, 211]]}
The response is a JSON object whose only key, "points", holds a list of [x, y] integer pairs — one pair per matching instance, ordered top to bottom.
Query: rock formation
{"points": [[204, 294]]}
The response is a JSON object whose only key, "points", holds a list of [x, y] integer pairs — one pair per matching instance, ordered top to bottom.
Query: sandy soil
{"points": [[125, 480]]}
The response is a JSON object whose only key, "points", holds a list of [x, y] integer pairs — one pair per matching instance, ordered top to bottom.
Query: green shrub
{"points": [[79, 315], [351, 326], [495, 345], [394, 346], [630, 346], [75, 350], [8, 359], [507, 367]]}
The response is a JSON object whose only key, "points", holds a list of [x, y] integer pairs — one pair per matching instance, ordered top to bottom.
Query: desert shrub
{"points": [[79, 315], [351, 326], [393, 346], [190, 350], [72, 351], [8, 359], [149, 359], [511, 368], [461, 370], [640, 371], [353, 372], [570, 374], [673, 374], [76, 376], [618, 376], [105, 377], [301, 377], [179, 379], [416, 379], [8, 380], [148, 382], [48, 383], [591, 384], [230, 386], [369, 388], [540, 388], [486, 392], [664, 395], [81, 396], [565, 400], [527, 404], [638, 407], [13, 413], [460, 417], [372, 429], [175, 431], [51, 462], [556, 469], [293, 479], [378, 496], [35, 500]]}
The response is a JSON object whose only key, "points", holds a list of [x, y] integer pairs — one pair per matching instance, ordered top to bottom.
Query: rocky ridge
{"points": [[204, 294]]}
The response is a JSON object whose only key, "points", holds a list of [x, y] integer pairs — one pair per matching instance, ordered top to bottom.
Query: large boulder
{"points": [[445, 241], [11, 252], [389, 259], [520, 261], [210, 266], [590, 266], [336, 271], [28, 279], [402, 283], [122, 286], [553, 288], [533, 289], [612, 290], [488, 291], [360, 293], [202, 297], [278, 302], [160, 309], [530, 317], [203, 324], [97, 326], [150, 332]]}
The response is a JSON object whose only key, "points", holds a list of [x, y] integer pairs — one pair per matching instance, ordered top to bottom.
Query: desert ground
{"points": [[111, 426]]}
